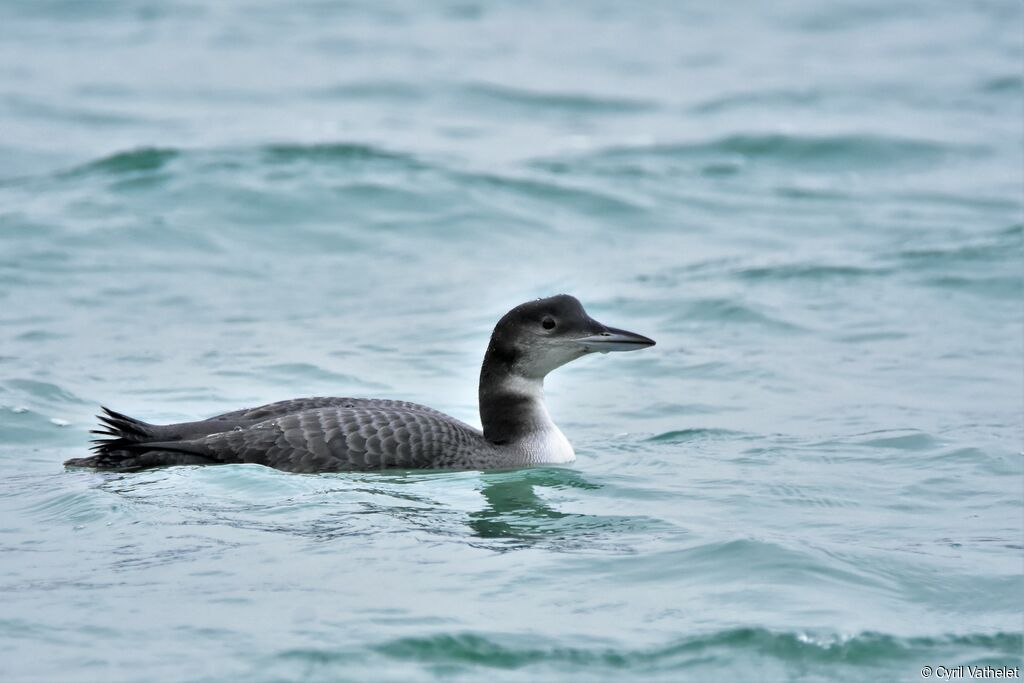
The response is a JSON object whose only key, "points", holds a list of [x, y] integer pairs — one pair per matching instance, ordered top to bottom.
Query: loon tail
{"points": [[123, 430], [128, 444], [119, 447]]}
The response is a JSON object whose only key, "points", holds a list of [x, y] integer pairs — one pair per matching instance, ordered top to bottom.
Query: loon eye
{"points": [[548, 324]]}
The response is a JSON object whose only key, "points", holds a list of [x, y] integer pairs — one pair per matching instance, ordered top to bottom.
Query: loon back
{"points": [[341, 434]]}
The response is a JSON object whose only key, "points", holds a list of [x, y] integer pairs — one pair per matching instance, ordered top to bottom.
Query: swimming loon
{"points": [[341, 434]]}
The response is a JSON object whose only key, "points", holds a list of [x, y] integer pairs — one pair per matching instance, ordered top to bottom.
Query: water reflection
{"points": [[514, 510], [519, 513]]}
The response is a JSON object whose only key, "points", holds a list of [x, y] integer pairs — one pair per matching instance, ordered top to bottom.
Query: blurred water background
{"points": [[816, 208]]}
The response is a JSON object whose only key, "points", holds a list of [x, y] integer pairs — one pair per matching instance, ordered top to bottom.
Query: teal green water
{"points": [[817, 209]]}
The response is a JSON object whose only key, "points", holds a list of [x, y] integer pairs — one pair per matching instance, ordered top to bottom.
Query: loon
{"points": [[345, 434]]}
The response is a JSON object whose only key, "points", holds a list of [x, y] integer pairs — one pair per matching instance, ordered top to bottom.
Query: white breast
{"points": [[547, 444], [555, 448]]}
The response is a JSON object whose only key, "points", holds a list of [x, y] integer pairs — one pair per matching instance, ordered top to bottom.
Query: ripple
{"points": [[1010, 83], [392, 91], [768, 98], [556, 101], [71, 115], [333, 152], [826, 152], [133, 161], [146, 161], [598, 202], [975, 252], [809, 271], [731, 311], [40, 336], [290, 372], [42, 392], [26, 427], [696, 434], [913, 441], [819, 475], [77, 507], [853, 653]]}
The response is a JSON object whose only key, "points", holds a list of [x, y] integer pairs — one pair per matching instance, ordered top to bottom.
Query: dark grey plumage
{"points": [[338, 434], [298, 435]]}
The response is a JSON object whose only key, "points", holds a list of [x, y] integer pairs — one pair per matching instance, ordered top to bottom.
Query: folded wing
{"points": [[339, 438]]}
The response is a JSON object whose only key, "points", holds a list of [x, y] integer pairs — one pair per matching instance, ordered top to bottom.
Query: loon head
{"points": [[534, 338], [528, 342]]}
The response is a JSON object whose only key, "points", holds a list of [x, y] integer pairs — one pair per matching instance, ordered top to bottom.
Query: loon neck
{"points": [[513, 413]]}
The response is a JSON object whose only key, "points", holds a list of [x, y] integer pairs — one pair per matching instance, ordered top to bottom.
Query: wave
{"points": [[1010, 83], [371, 90], [773, 98], [569, 102], [69, 115], [332, 151], [841, 151], [147, 159], [131, 161], [370, 176], [600, 202], [996, 247], [988, 266], [808, 271], [729, 310], [306, 374], [42, 392], [22, 426], [684, 435], [70, 508], [728, 653]]}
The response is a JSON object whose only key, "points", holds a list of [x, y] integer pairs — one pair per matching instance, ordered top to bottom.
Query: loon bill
{"points": [[341, 434]]}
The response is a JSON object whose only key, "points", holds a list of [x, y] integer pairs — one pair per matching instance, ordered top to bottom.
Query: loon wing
{"points": [[126, 429], [371, 435]]}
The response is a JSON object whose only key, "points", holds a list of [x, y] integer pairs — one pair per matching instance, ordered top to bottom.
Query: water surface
{"points": [[815, 208]]}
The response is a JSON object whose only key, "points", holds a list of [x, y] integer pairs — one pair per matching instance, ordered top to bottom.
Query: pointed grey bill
{"points": [[612, 339]]}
